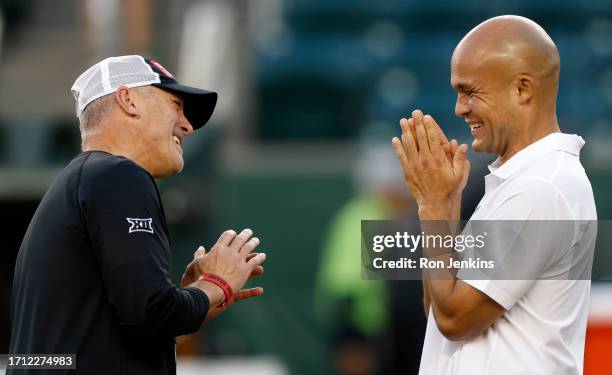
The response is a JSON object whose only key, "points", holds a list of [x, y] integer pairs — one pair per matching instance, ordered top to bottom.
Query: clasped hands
{"points": [[435, 170], [232, 258]]}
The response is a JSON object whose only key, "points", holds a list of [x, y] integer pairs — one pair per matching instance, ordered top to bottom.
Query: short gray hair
{"points": [[97, 110], [93, 114]]}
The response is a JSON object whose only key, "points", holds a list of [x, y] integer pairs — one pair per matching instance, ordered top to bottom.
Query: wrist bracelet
{"points": [[221, 283]]}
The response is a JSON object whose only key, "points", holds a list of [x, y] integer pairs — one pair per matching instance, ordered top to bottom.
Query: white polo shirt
{"points": [[543, 328]]}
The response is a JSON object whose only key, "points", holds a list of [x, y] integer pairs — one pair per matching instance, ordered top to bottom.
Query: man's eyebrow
{"points": [[461, 86], [178, 100]]}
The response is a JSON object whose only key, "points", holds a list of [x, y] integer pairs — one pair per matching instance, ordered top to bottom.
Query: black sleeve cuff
{"points": [[199, 302]]}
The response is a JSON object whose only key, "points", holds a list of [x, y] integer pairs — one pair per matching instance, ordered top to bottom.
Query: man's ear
{"points": [[523, 88], [125, 99]]}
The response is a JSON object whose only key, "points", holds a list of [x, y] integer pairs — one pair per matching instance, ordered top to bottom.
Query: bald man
{"points": [[506, 74]]}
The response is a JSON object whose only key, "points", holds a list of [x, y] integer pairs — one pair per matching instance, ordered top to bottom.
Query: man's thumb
{"points": [[200, 252]]}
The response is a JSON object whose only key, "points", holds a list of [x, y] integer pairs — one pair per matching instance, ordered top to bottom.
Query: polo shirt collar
{"points": [[570, 143]]}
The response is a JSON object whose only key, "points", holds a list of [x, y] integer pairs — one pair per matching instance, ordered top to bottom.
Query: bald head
{"points": [[511, 45], [506, 74]]}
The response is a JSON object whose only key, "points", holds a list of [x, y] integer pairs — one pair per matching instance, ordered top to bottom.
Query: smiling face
{"points": [[506, 72], [484, 101], [162, 130]]}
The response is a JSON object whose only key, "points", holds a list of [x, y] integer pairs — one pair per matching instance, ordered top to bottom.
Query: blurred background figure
{"points": [[113, 25], [301, 83], [362, 319]]}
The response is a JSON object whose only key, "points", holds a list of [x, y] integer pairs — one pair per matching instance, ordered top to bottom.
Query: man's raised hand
{"points": [[434, 169]]}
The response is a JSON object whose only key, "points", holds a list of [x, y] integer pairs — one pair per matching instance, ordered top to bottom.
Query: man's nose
{"points": [[461, 107], [186, 126]]}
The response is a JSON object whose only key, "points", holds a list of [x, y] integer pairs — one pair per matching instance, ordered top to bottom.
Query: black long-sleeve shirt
{"points": [[93, 274]]}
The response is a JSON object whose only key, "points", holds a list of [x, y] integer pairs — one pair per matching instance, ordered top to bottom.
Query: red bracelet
{"points": [[221, 283]]}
